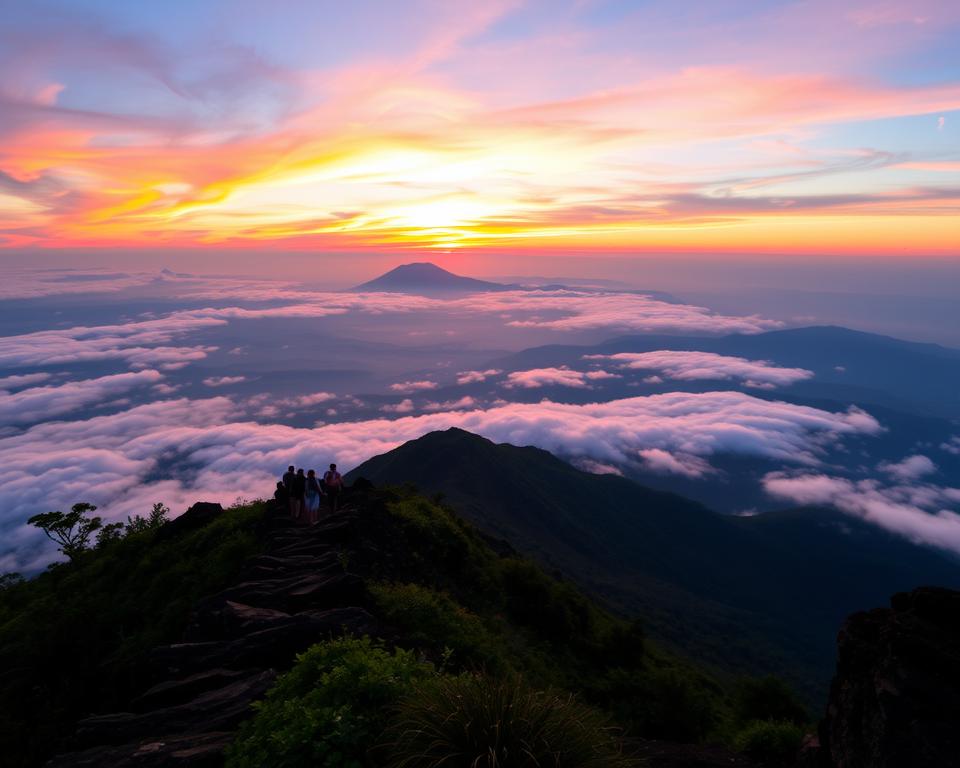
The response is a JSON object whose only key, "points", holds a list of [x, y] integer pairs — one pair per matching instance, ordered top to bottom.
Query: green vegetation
{"points": [[449, 595], [71, 638], [523, 655], [329, 709], [473, 720], [772, 743]]}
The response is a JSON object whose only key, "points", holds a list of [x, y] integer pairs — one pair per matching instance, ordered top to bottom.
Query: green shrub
{"points": [[553, 609], [433, 621], [766, 698], [671, 704], [329, 708], [475, 721], [770, 742]]}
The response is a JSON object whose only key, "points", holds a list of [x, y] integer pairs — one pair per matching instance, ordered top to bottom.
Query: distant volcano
{"points": [[424, 277]]}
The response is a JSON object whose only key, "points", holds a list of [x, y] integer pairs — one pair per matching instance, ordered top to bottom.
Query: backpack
{"points": [[332, 480]]}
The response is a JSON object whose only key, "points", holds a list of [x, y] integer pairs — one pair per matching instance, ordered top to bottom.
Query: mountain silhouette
{"points": [[424, 277], [758, 594]]}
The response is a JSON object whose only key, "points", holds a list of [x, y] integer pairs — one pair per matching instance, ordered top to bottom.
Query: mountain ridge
{"points": [[658, 554]]}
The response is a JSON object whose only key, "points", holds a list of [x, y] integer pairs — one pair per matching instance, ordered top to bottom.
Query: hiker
{"points": [[288, 481], [333, 484], [297, 494], [282, 495], [312, 498]]}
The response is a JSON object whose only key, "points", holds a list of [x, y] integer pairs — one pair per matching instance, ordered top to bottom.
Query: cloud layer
{"points": [[181, 451]]}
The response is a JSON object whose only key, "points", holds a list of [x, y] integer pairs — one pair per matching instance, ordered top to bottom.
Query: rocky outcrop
{"points": [[298, 592], [895, 698]]}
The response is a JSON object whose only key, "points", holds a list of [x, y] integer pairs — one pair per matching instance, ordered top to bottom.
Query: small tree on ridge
{"points": [[70, 530]]}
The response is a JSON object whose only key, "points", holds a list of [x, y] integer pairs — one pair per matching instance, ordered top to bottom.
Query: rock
{"points": [[198, 516], [222, 619], [274, 647], [172, 692], [895, 698], [218, 710], [201, 750]]}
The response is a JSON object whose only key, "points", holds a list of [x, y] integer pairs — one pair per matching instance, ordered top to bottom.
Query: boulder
{"points": [[198, 516], [895, 698]]}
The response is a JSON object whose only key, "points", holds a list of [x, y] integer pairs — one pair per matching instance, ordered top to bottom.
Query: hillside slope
{"points": [[762, 594]]}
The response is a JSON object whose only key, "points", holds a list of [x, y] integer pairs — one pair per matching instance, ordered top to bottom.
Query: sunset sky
{"points": [[810, 127]]}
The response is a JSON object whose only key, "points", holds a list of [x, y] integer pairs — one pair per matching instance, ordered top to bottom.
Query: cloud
{"points": [[567, 310], [140, 343], [689, 366], [476, 377], [546, 377], [223, 381], [16, 382], [413, 386], [305, 401], [46, 403], [451, 405], [404, 406], [952, 445], [181, 451], [663, 462], [596, 467], [911, 468], [917, 512]]}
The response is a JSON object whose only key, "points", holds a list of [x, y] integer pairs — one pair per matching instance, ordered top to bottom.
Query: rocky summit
{"points": [[895, 699]]}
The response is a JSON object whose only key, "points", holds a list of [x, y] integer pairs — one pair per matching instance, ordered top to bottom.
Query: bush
{"points": [[433, 621], [766, 698], [329, 708], [476, 721], [770, 742]]}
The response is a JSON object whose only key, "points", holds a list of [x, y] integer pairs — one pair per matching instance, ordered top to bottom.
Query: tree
{"points": [[139, 523], [70, 530], [109, 533]]}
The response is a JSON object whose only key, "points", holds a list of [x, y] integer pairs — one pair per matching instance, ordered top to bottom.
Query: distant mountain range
{"points": [[424, 277], [428, 278], [760, 594]]}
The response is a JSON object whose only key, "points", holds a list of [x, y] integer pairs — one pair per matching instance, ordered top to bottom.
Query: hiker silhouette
{"points": [[333, 485]]}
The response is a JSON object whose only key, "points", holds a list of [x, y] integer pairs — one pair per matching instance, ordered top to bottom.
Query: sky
{"points": [[494, 129]]}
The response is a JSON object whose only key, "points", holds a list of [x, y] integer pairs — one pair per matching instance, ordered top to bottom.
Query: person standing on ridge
{"points": [[288, 481], [333, 483], [297, 494], [312, 498]]}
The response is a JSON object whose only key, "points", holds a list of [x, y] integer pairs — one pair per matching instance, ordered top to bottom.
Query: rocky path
{"points": [[297, 593]]}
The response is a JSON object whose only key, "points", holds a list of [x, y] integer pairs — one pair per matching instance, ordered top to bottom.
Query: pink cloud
{"points": [[690, 366], [475, 377], [546, 377], [223, 381], [414, 386], [47, 403], [404, 406], [664, 462], [911, 468], [917, 512]]}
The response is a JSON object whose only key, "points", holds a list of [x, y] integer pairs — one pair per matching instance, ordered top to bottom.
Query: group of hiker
{"points": [[303, 492]]}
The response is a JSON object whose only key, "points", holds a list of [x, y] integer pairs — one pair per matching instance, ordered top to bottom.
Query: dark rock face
{"points": [[199, 515], [297, 593], [895, 699]]}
